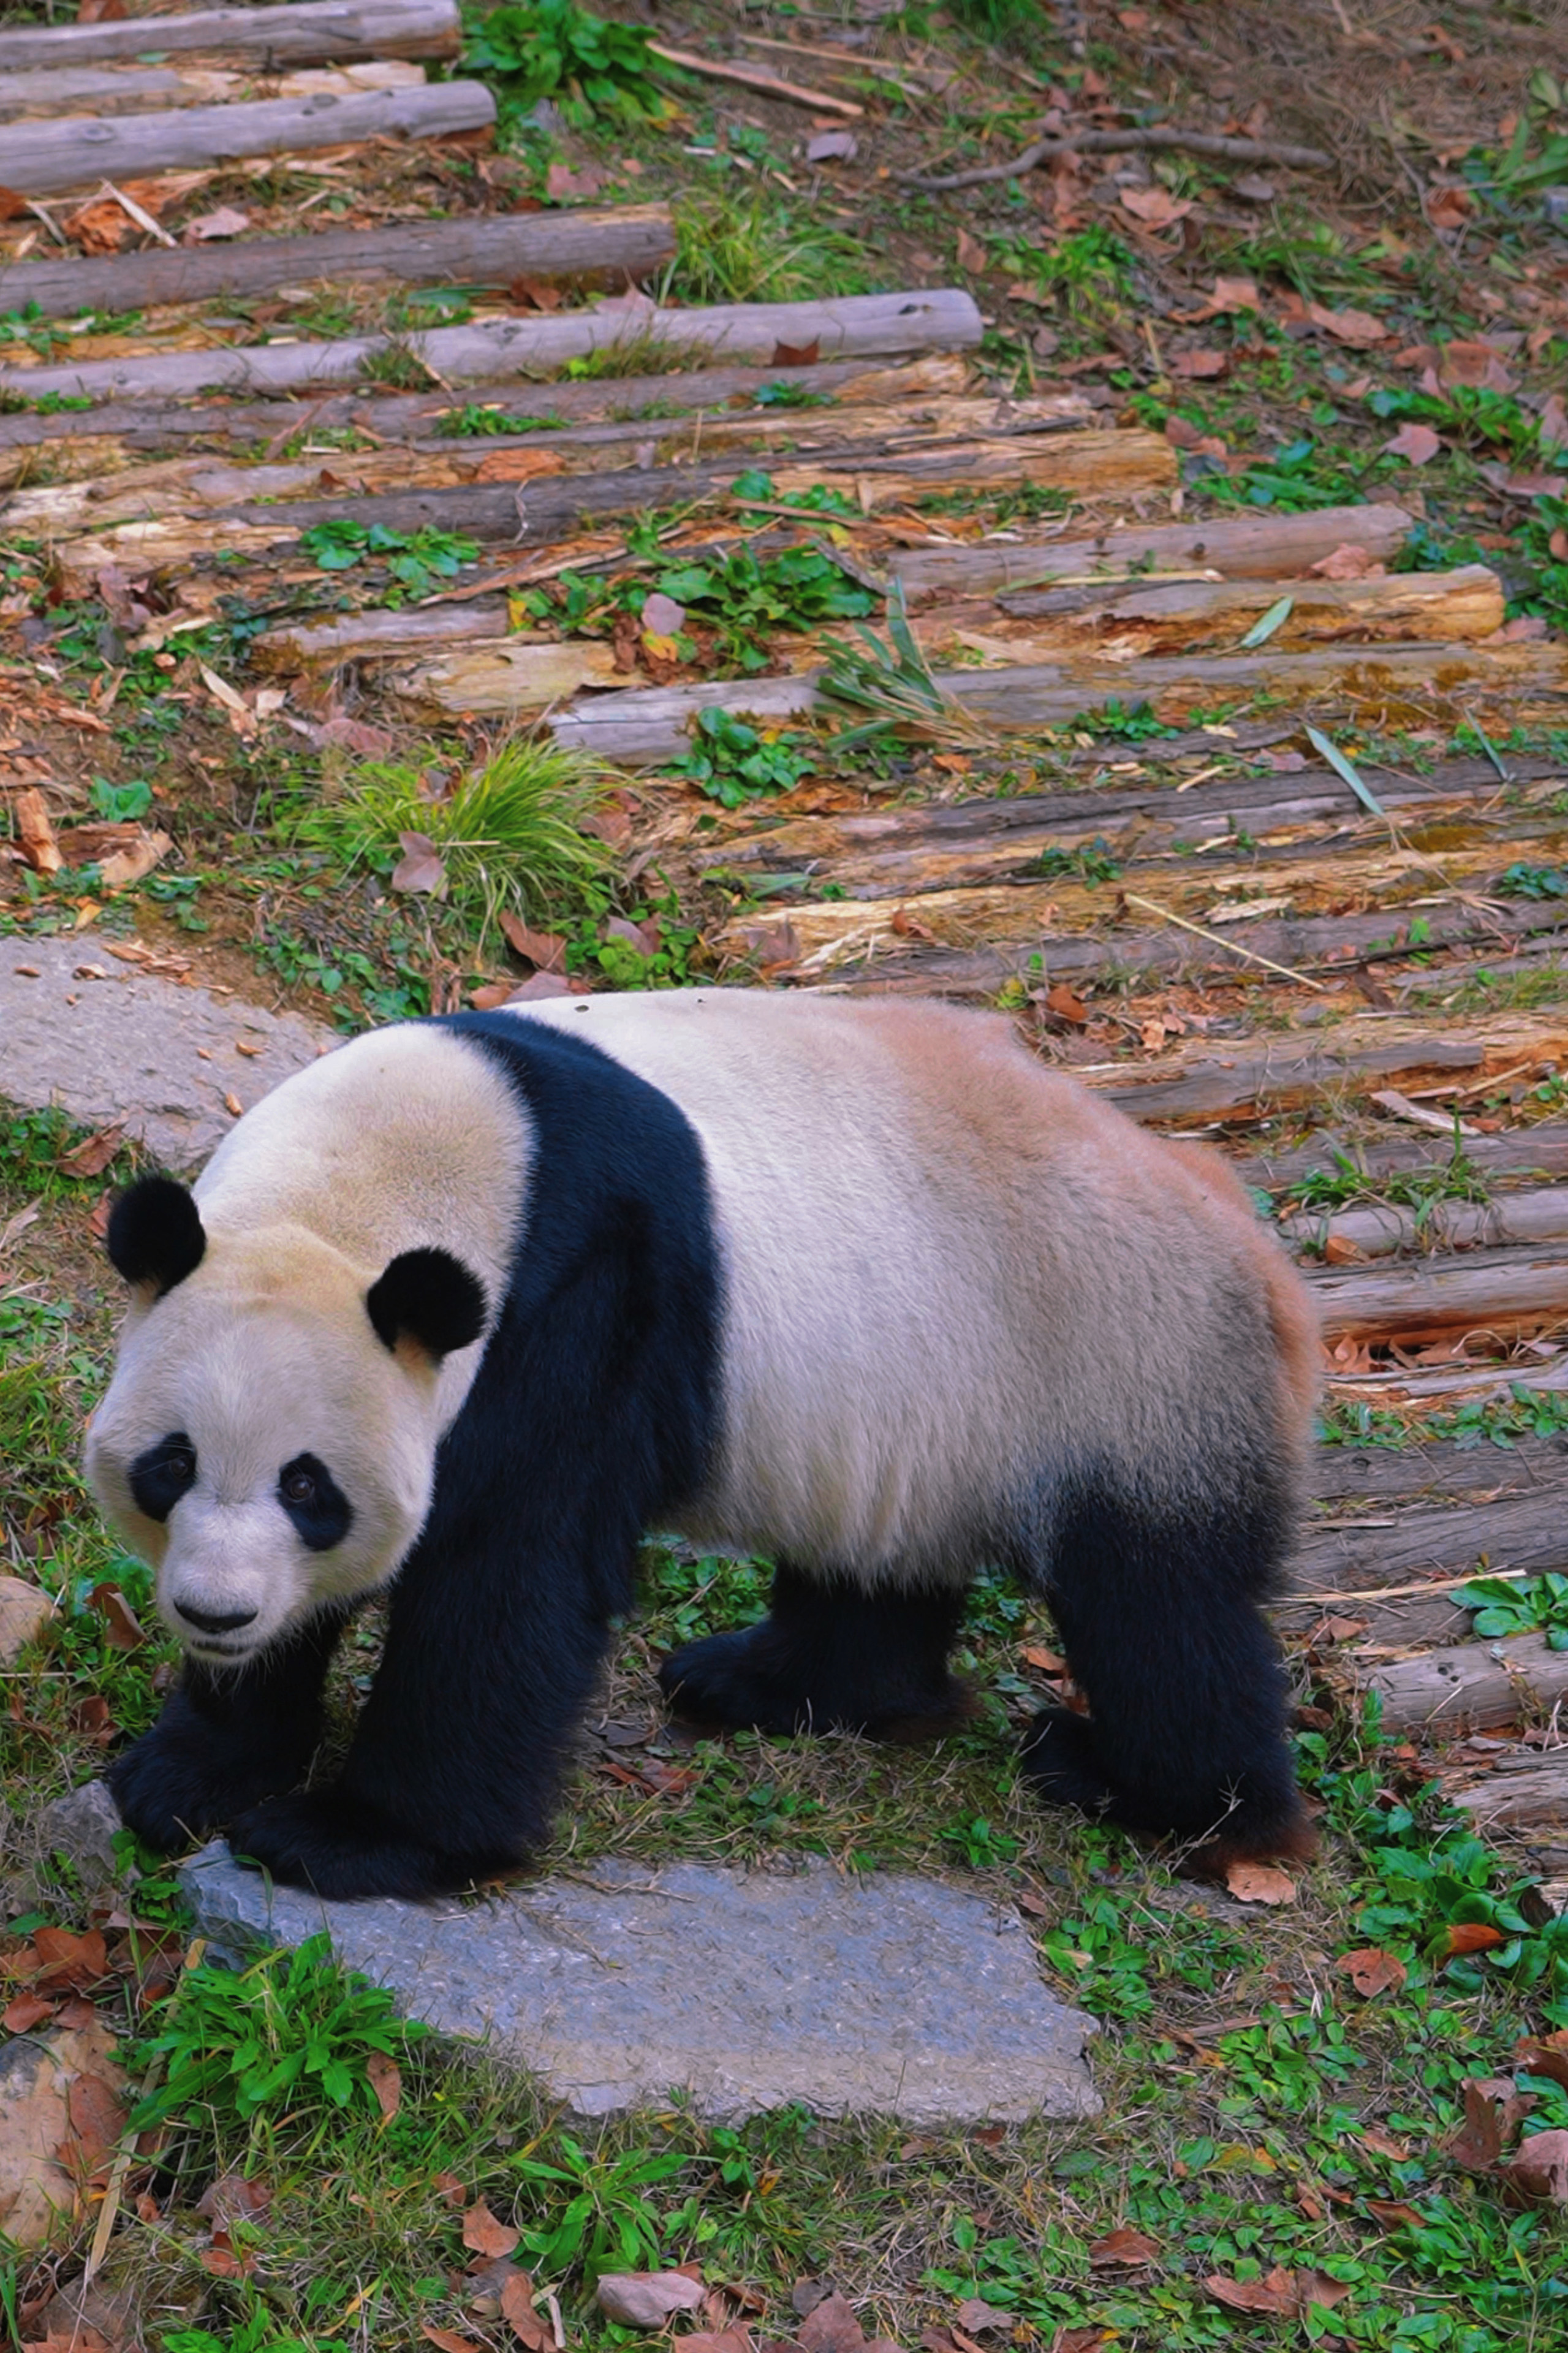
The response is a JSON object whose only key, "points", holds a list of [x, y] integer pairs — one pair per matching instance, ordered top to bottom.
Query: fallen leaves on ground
{"points": [[561, 181], [1155, 207], [226, 221], [1415, 443], [35, 832], [420, 867], [93, 1155], [121, 1628], [1260, 1883], [1469, 1936], [1371, 1971], [386, 2079], [1493, 2114], [1538, 2170], [483, 2234], [1123, 2248], [1281, 2293], [648, 2299], [518, 2311], [976, 2316]]}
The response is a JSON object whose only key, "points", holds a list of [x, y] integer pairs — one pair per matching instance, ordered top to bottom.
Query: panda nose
{"points": [[215, 1621]]}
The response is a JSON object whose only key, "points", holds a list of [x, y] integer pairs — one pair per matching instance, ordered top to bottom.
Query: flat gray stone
{"points": [[112, 1045], [83, 1824], [746, 1990]]}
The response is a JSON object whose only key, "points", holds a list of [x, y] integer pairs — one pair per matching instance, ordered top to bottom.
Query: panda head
{"points": [[269, 1440]]}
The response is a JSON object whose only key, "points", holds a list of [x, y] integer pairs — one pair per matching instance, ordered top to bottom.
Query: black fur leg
{"points": [[1159, 1613], [828, 1656], [225, 1741], [339, 1847]]}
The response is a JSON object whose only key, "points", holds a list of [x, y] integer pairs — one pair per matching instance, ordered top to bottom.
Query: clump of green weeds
{"points": [[590, 68], [741, 246], [1088, 276], [472, 422], [417, 560], [749, 598], [733, 762], [509, 835], [1092, 862], [646, 946], [1533, 1605]]}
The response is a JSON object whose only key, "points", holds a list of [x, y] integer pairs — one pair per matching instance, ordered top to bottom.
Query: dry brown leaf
{"points": [[561, 181], [13, 203], [1156, 207], [226, 221], [972, 254], [1359, 329], [798, 354], [1204, 362], [1416, 444], [1347, 562], [36, 833], [133, 863], [420, 867], [1066, 1005], [92, 1156], [121, 1630], [1048, 1662], [1260, 1883], [1472, 1936], [61, 1958], [1371, 1971], [24, 2012], [1544, 2054], [386, 2079], [1493, 2112], [97, 2121], [1382, 2143], [1538, 2170], [448, 2188], [234, 2197], [1392, 2213], [484, 2235], [1124, 2247], [1277, 2294], [648, 2299], [518, 2311], [976, 2316], [831, 2328], [451, 2340], [735, 2340], [1080, 2341]]}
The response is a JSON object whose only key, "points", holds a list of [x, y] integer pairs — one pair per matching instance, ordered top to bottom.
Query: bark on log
{"points": [[311, 32], [132, 90], [48, 158], [634, 239], [859, 326], [415, 416], [852, 439], [1251, 547], [1194, 616], [376, 636], [529, 677], [648, 727], [1291, 1073], [1540, 1151], [1387, 1230], [1506, 1293], [1440, 1469], [1527, 1532], [1473, 1687], [1518, 1796]]}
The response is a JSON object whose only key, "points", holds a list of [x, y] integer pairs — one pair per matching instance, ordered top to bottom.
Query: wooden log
{"points": [[310, 32], [137, 89], [45, 159], [481, 253], [860, 326], [116, 431], [846, 440], [1255, 546], [1194, 616], [376, 636], [531, 676], [648, 727], [1291, 1071], [1539, 1153], [1385, 1230], [1507, 1294], [1435, 1470], [1526, 1532], [1473, 1687], [1521, 1793]]}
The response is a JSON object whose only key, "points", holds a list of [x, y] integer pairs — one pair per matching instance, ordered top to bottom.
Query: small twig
{"points": [[755, 78], [1128, 142], [137, 213], [1218, 940], [1403, 1592]]}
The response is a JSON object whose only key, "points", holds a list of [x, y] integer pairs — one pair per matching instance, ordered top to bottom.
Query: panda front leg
{"points": [[1158, 1608], [831, 1655], [224, 1741]]}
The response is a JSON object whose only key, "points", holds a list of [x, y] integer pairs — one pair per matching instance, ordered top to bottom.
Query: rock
{"points": [[129, 1049], [24, 1611], [83, 1824], [748, 1990], [36, 2075]]}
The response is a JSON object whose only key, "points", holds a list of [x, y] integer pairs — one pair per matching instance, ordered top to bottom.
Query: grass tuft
{"points": [[746, 248]]}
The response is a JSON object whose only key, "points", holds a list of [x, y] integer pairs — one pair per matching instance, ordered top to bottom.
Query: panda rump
{"points": [[859, 1286]]}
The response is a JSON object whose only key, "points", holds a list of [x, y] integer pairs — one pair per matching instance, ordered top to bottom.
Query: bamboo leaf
{"points": [[1263, 629], [1345, 768]]}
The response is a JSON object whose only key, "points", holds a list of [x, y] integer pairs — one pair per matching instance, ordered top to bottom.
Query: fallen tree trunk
{"points": [[310, 32], [135, 90], [47, 158], [481, 254], [859, 326], [857, 438], [87, 443], [1254, 547], [1194, 616], [376, 636], [529, 677], [648, 727], [1289, 1073], [1540, 1151], [1386, 1229], [1503, 1294], [1434, 1469], [1473, 1687], [1527, 1792]]}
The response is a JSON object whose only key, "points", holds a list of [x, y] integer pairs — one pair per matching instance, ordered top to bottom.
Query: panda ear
{"points": [[156, 1234], [429, 1297]]}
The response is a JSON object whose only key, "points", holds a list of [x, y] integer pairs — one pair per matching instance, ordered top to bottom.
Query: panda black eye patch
{"points": [[161, 1476], [314, 1500]]}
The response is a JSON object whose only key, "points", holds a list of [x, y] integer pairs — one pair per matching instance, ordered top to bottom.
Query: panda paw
{"points": [[722, 1681], [1059, 1757], [177, 1785], [337, 1847]]}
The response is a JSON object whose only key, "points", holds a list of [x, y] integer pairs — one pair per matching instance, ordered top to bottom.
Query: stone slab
{"points": [[127, 1048], [745, 1990]]}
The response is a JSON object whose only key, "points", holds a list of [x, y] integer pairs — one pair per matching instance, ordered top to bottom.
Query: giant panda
{"points": [[463, 1309]]}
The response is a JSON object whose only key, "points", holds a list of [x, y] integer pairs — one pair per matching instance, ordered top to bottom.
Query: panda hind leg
{"points": [[1159, 1613], [829, 1656]]}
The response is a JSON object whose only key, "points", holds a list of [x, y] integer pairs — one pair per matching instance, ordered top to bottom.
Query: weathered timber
{"points": [[311, 32], [138, 89], [45, 158], [479, 254], [858, 326], [115, 428], [841, 438], [552, 506], [1265, 547], [1198, 615], [377, 635], [529, 677], [647, 727], [1314, 945], [1292, 1070], [1524, 1153], [1384, 1229], [1505, 1294], [1436, 1470], [1527, 1532], [1473, 1687], [1524, 1792]]}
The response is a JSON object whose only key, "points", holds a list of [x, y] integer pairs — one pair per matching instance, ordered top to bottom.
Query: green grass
{"points": [[746, 246]]}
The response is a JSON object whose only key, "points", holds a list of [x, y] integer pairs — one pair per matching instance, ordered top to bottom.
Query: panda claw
{"points": [[339, 1849]]}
